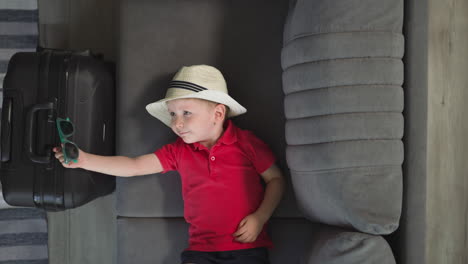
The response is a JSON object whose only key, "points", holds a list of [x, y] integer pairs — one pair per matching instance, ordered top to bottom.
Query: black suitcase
{"points": [[38, 88]]}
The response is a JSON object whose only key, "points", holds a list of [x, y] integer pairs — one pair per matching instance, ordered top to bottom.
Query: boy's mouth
{"points": [[183, 133]]}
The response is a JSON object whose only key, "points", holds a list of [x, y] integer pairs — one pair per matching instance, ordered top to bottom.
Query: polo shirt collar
{"points": [[228, 137]]}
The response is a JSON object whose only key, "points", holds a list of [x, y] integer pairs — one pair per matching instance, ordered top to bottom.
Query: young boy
{"points": [[225, 202]]}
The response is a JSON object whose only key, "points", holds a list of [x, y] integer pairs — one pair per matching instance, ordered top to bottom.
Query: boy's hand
{"points": [[71, 164], [249, 228]]}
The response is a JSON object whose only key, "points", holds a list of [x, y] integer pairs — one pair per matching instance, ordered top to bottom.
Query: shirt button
{"points": [[213, 158]]}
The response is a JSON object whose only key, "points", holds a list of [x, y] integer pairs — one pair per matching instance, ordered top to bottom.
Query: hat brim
{"points": [[159, 109]]}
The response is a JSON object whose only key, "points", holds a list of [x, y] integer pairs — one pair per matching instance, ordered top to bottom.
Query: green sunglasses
{"points": [[66, 129]]}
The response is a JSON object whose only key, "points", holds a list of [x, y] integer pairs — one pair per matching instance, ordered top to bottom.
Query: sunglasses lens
{"points": [[66, 127], [71, 150]]}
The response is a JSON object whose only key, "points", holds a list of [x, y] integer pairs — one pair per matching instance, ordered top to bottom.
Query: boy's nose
{"points": [[178, 123]]}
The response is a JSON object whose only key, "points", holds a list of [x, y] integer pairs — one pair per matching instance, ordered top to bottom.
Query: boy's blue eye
{"points": [[187, 113], [172, 114]]}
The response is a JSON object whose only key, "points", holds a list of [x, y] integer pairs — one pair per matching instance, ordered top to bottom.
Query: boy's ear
{"points": [[220, 112]]}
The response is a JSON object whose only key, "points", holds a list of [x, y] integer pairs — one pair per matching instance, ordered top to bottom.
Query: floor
{"points": [[74, 235]]}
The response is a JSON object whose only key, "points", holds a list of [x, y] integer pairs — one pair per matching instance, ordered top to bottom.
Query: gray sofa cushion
{"points": [[322, 17], [158, 37], [342, 45], [343, 72], [342, 79], [344, 99], [341, 127], [344, 154], [150, 196], [366, 199], [151, 240], [161, 240], [336, 246]]}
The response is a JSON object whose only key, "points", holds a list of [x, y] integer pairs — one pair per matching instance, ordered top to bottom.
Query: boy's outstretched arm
{"points": [[113, 165], [252, 225]]}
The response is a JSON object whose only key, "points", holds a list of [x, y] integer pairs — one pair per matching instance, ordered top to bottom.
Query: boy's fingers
{"points": [[57, 149], [242, 223], [241, 229], [240, 232], [244, 238], [240, 239]]}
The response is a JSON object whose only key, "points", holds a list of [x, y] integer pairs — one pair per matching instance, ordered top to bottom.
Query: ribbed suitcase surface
{"points": [[38, 88]]}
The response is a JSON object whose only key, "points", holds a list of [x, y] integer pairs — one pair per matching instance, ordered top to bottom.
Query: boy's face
{"points": [[194, 120]]}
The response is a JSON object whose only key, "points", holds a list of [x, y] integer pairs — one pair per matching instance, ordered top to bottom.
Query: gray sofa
{"points": [[321, 81]]}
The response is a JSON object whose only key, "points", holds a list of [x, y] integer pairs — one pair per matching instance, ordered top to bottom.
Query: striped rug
{"points": [[18, 31], [23, 231], [23, 236]]}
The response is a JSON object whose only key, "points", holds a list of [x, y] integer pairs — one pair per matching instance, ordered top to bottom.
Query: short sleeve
{"points": [[259, 152], [167, 155]]}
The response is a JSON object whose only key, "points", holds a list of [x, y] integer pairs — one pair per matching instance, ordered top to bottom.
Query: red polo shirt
{"points": [[220, 186]]}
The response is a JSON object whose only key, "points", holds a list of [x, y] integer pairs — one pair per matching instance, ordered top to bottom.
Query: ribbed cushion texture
{"points": [[313, 17], [342, 45], [342, 72], [342, 78], [344, 99]]}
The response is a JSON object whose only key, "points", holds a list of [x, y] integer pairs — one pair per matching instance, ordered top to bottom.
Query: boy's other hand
{"points": [[71, 164], [249, 228]]}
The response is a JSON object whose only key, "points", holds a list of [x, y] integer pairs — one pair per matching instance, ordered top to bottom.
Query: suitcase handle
{"points": [[6, 129], [30, 135]]}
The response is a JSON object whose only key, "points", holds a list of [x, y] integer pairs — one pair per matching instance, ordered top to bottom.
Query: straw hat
{"points": [[197, 81]]}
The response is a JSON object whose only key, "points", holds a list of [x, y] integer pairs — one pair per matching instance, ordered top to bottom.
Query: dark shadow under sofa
{"points": [[322, 83]]}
